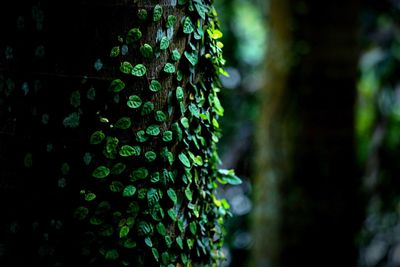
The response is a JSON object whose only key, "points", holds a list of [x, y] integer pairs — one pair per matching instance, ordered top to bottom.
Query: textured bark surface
{"points": [[53, 49], [307, 207]]}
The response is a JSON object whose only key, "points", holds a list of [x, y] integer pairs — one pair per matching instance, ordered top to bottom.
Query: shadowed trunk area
{"points": [[308, 209]]}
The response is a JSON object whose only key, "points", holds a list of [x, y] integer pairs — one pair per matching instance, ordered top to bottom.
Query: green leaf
{"points": [[182, 2], [201, 9], [157, 13], [142, 14], [171, 20], [188, 26], [133, 35], [164, 43], [146, 50], [115, 51], [175, 55], [191, 57], [126, 67], [169, 68], [139, 70], [179, 75], [117, 85], [155, 86], [179, 94], [75, 99], [134, 101], [217, 106], [147, 108], [194, 110], [160, 116], [72, 120], [185, 122], [123, 123], [215, 123], [176, 128], [153, 130], [141, 136], [167, 136], [97, 137], [111, 145], [127, 151], [150, 156], [170, 157], [184, 159], [118, 168], [101, 172], [138, 174], [155, 177], [228, 177], [116, 186], [129, 191], [142, 193], [188, 194], [172, 195], [90, 196], [152, 196], [133, 208], [81, 213], [172, 214], [96, 220], [181, 226], [193, 227], [161, 229], [106, 230], [123, 232], [168, 240], [148, 242], [179, 242], [129, 243], [190, 243], [112, 254], [155, 254], [165, 258], [184, 259]]}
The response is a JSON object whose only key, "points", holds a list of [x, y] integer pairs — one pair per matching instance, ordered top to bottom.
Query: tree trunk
{"points": [[108, 118], [307, 209]]}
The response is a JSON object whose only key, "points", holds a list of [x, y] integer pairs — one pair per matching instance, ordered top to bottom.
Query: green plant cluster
{"points": [[153, 196]]}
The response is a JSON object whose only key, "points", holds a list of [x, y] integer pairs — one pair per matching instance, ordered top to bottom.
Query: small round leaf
{"points": [[157, 13], [133, 35], [164, 43], [146, 50], [126, 67], [169, 68], [139, 70], [117, 85], [155, 86], [134, 101], [123, 123], [153, 130], [97, 137], [127, 151], [150, 156], [184, 159], [101, 172], [129, 191]]}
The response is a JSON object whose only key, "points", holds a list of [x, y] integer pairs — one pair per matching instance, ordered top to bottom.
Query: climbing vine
{"points": [[153, 158]]}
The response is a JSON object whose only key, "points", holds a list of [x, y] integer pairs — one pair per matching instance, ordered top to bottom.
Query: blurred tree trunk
{"points": [[57, 68], [307, 208]]}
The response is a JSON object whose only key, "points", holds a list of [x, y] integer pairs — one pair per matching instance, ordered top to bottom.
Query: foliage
{"points": [[147, 171], [188, 228]]}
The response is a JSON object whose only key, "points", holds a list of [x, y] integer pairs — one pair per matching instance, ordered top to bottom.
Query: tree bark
{"points": [[68, 118], [307, 209]]}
